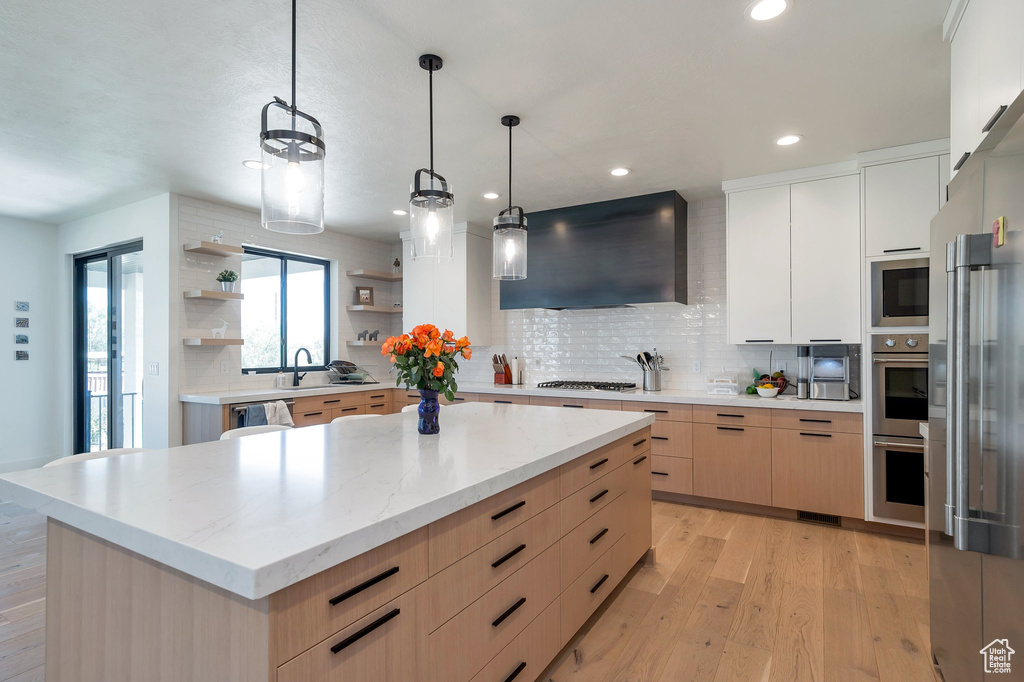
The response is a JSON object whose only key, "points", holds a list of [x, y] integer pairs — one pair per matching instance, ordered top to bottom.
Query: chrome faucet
{"points": [[295, 366]]}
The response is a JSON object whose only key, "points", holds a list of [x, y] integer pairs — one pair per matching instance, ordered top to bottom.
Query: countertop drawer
{"points": [[585, 403], [661, 411], [732, 416], [831, 422], [672, 439], [592, 466], [672, 475], [592, 498], [466, 531], [589, 540], [459, 585], [586, 593], [303, 614], [385, 646], [462, 646], [529, 654]]}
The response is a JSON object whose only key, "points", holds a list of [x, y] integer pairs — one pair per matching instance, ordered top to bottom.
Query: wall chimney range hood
{"points": [[608, 254]]}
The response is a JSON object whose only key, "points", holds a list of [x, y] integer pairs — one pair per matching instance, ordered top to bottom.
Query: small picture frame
{"points": [[364, 295], [21, 306], [21, 323], [20, 339], [21, 355]]}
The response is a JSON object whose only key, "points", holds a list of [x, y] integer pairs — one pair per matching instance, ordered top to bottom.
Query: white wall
{"points": [[150, 221], [27, 434]]}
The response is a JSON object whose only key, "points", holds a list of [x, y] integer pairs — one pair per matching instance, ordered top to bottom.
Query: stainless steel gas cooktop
{"points": [[589, 385]]}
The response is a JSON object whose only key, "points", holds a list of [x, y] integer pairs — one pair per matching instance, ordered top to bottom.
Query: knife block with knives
{"points": [[503, 370]]}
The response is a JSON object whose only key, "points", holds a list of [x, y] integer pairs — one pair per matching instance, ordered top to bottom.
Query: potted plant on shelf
{"points": [[227, 279], [426, 360]]}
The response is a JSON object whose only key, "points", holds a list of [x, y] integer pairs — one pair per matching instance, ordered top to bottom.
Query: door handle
{"points": [[995, 118], [962, 161], [951, 391], [961, 411]]}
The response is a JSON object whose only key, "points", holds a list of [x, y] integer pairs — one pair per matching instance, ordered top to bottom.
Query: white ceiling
{"points": [[106, 101]]}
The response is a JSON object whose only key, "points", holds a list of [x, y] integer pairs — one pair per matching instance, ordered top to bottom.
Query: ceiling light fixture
{"points": [[763, 10], [787, 140], [254, 164], [293, 165], [619, 172], [491, 195], [431, 206], [399, 211], [510, 226]]}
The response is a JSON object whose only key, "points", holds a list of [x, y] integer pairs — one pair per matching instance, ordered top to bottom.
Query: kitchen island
{"points": [[355, 551]]}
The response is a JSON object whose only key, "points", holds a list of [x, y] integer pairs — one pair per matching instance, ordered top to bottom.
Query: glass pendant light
{"points": [[292, 144], [431, 203], [510, 226]]}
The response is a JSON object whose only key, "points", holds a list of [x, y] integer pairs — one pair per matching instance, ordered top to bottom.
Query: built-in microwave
{"points": [[899, 293]]}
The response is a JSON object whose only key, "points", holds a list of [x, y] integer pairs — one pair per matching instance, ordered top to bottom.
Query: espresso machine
{"points": [[823, 372]]}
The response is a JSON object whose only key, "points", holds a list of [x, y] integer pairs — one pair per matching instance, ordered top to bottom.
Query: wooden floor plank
{"points": [[720, 524], [672, 547], [874, 550], [841, 559], [734, 562], [757, 614], [898, 647], [849, 649], [799, 651], [695, 657], [742, 663]]}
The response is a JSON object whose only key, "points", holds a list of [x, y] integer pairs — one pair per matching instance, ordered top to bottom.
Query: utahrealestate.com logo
{"points": [[997, 656]]}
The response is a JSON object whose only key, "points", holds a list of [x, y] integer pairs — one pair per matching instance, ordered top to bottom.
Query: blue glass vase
{"points": [[428, 410]]}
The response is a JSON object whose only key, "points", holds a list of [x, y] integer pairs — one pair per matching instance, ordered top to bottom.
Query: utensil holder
{"points": [[652, 380]]}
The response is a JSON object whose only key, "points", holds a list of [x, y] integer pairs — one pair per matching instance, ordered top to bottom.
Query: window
{"points": [[286, 307]]}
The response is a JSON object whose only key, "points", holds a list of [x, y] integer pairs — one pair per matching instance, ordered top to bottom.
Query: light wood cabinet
{"points": [[900, 200], [826, 264], [757, 266], [501, 399], [581, 403], [673, 412], [316, 416], [732, 416], [830, 422], [672, 439], [732, 463], [589, 468], [819, 472], [672, 475], [591, 498], [638, 503], [582, 546], [586, 593], [529, 653]]}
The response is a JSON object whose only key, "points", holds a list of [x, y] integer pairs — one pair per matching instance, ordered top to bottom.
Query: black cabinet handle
{"points": [[995, 117], [962, 161], [911, 248], [824, 340], [760, 341], [374, 397], [458, 399], [330, 402], [505, 402], [372, 405], [579, 406], [348, 409], [657, 411], [312, 414], [734, 416], [816, 421], [730, 428], [817, 435], [659, 437], [639, 442], [637, 461], [601, 463], [659, 473], [598, 496], [517, 505], [598, 536], [508, 556], [600, 582], [363, 586], [508, 612], [348, 641], [515, 673]]}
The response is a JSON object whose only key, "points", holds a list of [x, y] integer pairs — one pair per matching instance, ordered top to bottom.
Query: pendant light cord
{"points": [[293, 60], [431, 77], [510, 169]]}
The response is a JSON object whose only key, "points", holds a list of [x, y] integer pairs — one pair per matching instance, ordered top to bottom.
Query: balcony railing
{"points": [[96, 416]]}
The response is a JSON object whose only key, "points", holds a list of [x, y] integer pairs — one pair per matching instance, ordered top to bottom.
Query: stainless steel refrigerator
{"points": [[975, 463]]}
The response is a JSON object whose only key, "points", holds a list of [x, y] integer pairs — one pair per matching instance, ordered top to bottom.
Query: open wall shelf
{"points": [[213, 249], [375, 275], [211, 295], [373, 309], [212, 342]]}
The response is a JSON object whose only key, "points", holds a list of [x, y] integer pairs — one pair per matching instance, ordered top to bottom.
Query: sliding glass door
{"points": [[108, 349]]}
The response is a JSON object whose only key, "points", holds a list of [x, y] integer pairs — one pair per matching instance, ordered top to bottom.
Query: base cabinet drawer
{"points": [[459, 399], [505, 399], [333, 402], [583, 403], [379, 407], [348, 411], [661, 411], [320, 416], [732, 416], [830, 422], [672, 439], [733, 462], [584, 470], [819, 472], [672, 475], [591, 499], [638, 503], [592, 538], [586, 593], [388, 645], [460, 648], [529, 653]]}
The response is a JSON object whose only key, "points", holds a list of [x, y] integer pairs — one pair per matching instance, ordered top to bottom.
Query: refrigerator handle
{"points": [[961, 379], [951, 392]]}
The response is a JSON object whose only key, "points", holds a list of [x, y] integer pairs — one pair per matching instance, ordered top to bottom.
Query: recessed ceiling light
{"points": [[763, 10], [787, 140], [255, 165], [619, 172], [491, 195], [399, 211]]}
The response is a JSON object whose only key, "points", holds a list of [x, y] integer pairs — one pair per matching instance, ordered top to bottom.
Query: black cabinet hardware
{"points": [[995, 117], [962, 161], [909, 248], [824, 340], [760, 341], [374, 397], [458, 399], [328, 402], [505, 402], [376, 404], [579, 406], [348, 409], [657, 411], [312, 414], [734, 416], [816, 421], [730, 428], [817, 435], [659, 437], [639, 442], [637, 461], [601, 463], [659, 473], [598, 496], [517, 505], [598, 536], [508, 556], [600, 582], [363, 586], [508, 612], [348, 641], [515, 673]]}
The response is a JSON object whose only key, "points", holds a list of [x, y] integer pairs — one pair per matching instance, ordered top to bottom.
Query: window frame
{"points": [[284, 258]]}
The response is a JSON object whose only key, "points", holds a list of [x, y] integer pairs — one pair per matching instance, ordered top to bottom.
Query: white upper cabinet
{"points": [[964, 59], [900, 200], [826, 262], [758, 264]]}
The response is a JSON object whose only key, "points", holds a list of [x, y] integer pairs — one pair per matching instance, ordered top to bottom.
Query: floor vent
{"points": [[815, 517]]}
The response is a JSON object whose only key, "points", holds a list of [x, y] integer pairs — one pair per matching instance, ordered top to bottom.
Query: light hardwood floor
{"points": [[731, 597]]}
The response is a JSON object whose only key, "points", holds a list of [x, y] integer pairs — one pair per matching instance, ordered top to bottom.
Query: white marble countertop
{"points": [[783, 402], [256, 514]]}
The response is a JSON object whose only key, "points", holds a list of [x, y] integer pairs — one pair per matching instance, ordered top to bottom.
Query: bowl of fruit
{"points": [[768, 385], [767, 390]]}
